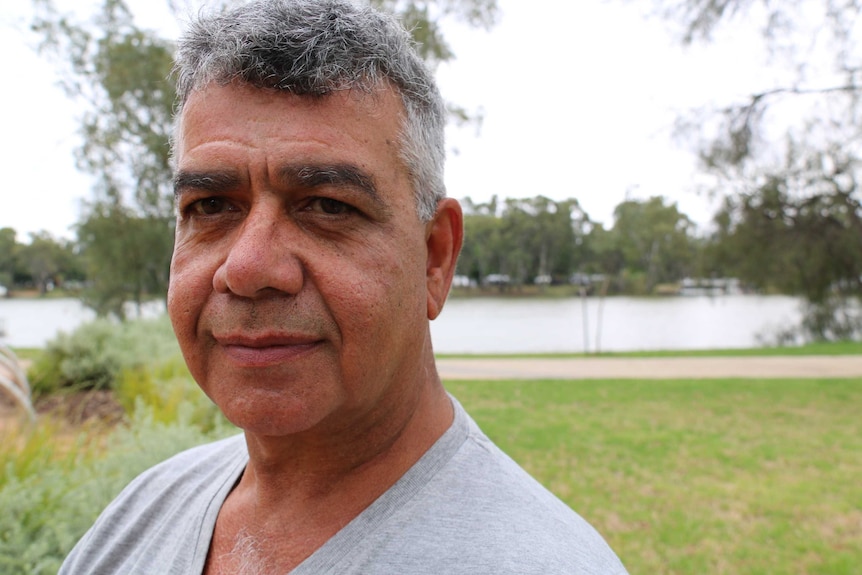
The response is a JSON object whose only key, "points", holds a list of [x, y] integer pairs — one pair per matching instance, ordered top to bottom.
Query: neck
{"points": [[354, 459], [299, 491]]}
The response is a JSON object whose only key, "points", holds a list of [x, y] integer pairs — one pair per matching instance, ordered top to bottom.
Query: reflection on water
{"points": [[488, 325]]}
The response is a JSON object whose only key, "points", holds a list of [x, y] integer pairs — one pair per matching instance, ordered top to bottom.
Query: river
{"points": [[613, 324], [493, 325]]}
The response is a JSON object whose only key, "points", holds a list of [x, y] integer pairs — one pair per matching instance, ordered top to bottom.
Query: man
{"points": [[314, 245]]}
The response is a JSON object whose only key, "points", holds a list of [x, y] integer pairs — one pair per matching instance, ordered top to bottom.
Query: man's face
{"points": [[298, 283]]}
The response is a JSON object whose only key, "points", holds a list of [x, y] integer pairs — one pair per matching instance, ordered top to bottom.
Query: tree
{"points": [[424, 19], [121, 73], [814, 99], [789, 154], [541, 237], [523, 238], [654, 241], [808, 244], [8, 250], [480, 254], [604, 256], [46, 261], [123, 271]]}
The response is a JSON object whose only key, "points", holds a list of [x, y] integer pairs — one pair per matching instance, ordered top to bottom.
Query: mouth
{"points": [[266, 350]]}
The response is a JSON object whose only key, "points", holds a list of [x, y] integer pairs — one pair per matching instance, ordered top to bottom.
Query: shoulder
{"points": [[183, 474], [483, 512], [162, 513], [523, 521]]}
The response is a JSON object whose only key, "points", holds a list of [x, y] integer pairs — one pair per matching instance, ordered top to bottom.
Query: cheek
{"points": [[189, 287], [378, 295]]}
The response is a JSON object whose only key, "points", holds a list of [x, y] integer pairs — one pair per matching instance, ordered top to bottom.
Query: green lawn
{"points": [[717, 476]]}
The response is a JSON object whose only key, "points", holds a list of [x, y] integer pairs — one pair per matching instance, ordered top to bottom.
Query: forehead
{"points": [[362, 122]]}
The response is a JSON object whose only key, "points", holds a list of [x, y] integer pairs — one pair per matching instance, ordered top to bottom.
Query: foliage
{"points": [[424, 18], [121, 73], [812, 92], [789, 154], [801, 232], [527, 238], [654, 240], [8, 248], [480, 253], [43, 263], [132, 266], [94, 355], [169, 393], [694, 476], [54, 481], [52, 496]]}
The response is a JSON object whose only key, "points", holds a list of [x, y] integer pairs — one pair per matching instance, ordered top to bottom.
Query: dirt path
{"points": [[652, 368]]}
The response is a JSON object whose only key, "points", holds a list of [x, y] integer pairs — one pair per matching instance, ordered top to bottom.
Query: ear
{"points": [[443, 237]]}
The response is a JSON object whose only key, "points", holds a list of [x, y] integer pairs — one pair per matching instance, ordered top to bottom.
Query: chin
{"points": [[265, 415]]}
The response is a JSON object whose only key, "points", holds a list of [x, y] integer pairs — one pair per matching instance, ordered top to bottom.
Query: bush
{"points": [[93, 356], [170, 393], [54, 482], [51, 499]]}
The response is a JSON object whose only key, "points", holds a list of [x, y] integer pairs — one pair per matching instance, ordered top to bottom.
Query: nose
{"points": [[261, 258]]}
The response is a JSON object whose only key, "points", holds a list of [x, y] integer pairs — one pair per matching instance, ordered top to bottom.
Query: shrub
{"points": [[93, 356], [169, 392], [55, 482], [51, 500]]}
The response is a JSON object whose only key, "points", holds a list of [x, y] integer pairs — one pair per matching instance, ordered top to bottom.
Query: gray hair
{"points": [[316, 47]]}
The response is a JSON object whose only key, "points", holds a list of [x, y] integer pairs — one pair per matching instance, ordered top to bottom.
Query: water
{"points": [[33, 322], [615, 324], [489, 325]]}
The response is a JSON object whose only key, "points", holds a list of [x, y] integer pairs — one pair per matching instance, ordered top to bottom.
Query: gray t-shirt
{"points": [[464, 508]]}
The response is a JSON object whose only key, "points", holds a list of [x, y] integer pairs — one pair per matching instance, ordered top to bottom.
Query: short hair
{"points": [[314, 48]]}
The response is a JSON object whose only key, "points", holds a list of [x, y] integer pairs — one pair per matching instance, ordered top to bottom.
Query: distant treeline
{"points": [[538, 240], [651, 246]]}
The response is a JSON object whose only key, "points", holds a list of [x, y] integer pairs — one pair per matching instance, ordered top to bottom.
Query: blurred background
{"points": [[649, 179]]}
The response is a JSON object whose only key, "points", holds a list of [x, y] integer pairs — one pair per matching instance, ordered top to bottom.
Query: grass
{"points": [[717, 476]]}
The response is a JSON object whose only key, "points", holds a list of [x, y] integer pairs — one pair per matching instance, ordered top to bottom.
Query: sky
{"points": [[578, 101]]}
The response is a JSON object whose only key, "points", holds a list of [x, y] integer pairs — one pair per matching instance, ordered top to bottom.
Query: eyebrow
{"points": [[339, 175], [307, 176], [214, 182]]}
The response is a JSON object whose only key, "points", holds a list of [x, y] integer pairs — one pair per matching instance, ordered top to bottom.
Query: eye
{"points": [[211, 206], [332, 207]]}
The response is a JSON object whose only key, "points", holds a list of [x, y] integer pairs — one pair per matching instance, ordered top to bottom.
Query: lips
{"points": [[266, 350]]}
